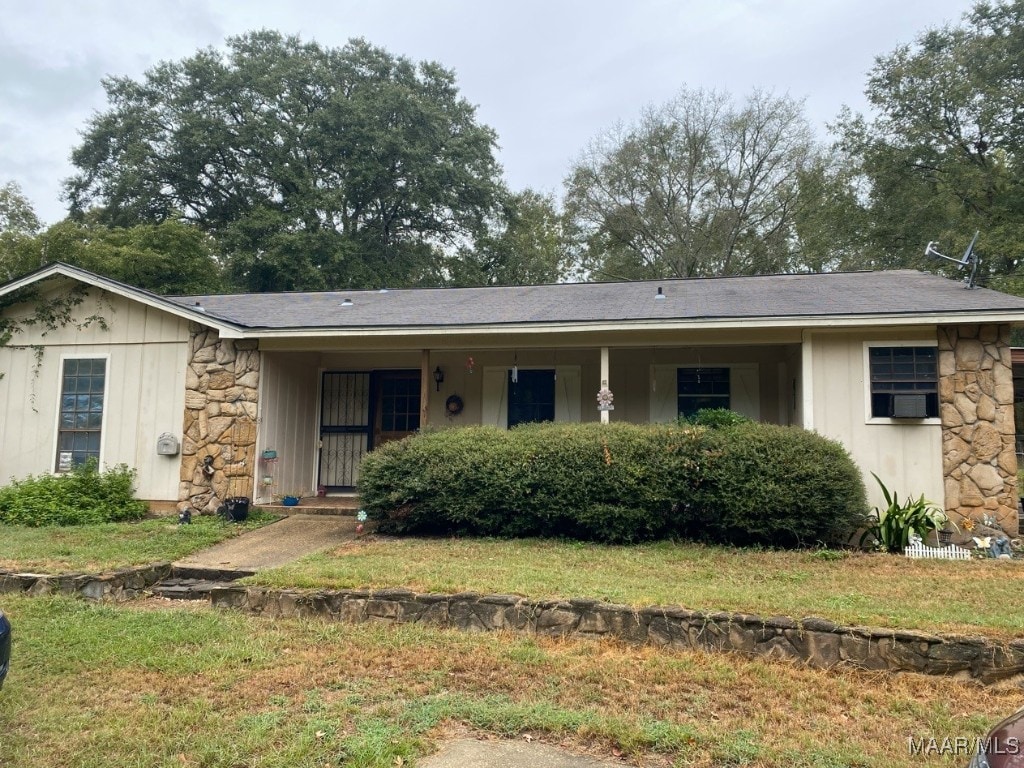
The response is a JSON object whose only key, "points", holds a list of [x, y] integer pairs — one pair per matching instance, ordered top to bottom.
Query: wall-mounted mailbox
{"points": [[167, 445]]}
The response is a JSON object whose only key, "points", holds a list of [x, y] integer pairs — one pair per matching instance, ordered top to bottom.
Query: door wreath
{"points": [[454, 405]]}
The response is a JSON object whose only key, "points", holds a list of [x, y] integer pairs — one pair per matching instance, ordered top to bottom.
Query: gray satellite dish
{"points": [[970, 258]]}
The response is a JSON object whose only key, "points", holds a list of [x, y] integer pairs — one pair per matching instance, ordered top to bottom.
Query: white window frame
{"points": [[60, 391], [868, 417]]}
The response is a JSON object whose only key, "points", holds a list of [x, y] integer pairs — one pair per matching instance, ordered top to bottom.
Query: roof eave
{"points": [[540, 328]]}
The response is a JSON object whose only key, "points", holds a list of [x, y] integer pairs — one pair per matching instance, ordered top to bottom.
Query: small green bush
{"points": [[716, 418], [743, 484], [83, 496], [890, 528]]}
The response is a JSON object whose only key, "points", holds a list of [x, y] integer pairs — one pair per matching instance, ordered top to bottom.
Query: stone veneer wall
{"points": [[221, 399], [979, 460]]}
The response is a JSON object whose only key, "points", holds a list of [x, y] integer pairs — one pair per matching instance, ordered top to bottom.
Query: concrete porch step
{"points": [[346, 505]]}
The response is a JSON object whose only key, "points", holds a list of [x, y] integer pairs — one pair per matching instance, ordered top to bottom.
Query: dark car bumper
{"points": [[5, 647]]}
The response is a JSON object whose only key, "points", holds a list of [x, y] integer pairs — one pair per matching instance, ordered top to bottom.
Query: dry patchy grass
{"points": [[851, 588], [196, 687]]}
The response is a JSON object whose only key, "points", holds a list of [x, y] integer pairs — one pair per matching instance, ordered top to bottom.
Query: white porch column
{"points": [[604, 379], [806, 380]]}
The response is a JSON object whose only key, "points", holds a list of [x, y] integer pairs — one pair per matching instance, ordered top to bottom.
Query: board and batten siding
{"points": [[146, 351], [289, 423], [906, 455]]}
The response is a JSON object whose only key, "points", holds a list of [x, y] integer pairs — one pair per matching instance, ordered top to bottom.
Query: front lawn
{"points": [[106, 546], [977, 597], [145, 684]]}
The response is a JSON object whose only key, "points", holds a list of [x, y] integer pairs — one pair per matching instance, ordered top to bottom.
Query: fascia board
{"points": [[853, 321], [225, 329]]}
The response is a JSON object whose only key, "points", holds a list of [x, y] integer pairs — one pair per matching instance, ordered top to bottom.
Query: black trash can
{"points": [[236, 508]]}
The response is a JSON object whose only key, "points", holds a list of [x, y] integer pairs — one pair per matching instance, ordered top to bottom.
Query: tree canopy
{"points": [[942, 156], [313, 167], [698, 187], [526, 244]]}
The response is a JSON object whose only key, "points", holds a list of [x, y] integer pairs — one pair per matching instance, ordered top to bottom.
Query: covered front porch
{"points": [[322, 410]]}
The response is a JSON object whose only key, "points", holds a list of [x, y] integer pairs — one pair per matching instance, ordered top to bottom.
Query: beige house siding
{"points": [[145, 392], [288, 423], [907, 456]]}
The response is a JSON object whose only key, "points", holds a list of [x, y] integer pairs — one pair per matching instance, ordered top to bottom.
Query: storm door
{"points": [[344, 428]]}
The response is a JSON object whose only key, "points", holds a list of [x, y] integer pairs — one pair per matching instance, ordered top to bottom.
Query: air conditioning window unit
{"points": [[909, 407]]}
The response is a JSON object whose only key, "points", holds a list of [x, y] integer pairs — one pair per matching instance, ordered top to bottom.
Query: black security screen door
{"points": [[531, 397], [344, 427]]}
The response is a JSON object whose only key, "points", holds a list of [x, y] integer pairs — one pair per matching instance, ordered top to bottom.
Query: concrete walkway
{"points": [[275, 544], [509, 754]]}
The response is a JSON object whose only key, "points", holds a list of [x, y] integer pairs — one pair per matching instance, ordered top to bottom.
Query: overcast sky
{"points": [[547, 75]]}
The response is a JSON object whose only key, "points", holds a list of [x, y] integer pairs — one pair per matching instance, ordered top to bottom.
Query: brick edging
{"points": [[815, 641]]}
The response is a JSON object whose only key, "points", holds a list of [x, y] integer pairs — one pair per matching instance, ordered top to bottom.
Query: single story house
{"points": [[256, 395]]}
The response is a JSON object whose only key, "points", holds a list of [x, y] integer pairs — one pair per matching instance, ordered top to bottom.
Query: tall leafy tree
{"points": [[942, 155], [314, 167], [700, 186], [17, 216], [526, 244], [171, 257]]}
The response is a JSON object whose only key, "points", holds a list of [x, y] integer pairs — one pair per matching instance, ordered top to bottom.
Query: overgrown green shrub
{"points": [[744, 484], [777, 486], [84, 495]]}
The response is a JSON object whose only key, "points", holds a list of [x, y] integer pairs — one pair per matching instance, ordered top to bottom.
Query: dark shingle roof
{"points": [[731, 298]]}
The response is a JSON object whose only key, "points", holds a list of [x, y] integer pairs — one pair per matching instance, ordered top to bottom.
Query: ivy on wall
{"points": [[48, 315]]}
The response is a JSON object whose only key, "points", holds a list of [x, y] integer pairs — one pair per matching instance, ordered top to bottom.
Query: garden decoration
{"points": [[604, 400], [360, 520], [994, 546], [917, 550]]}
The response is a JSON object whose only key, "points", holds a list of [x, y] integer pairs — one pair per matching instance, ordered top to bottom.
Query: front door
{"points": [[396, 405], [360, 410]]}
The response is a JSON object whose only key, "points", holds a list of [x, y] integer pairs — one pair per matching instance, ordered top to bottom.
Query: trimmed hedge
{"points": [[744, 484], [81, 497]]}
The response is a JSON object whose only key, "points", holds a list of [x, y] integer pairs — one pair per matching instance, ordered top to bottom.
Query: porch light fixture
{"points": [[659, 296], [346, 303], [438, 377]]}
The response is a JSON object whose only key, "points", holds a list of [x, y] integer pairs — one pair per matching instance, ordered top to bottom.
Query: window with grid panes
{"points": [[903, 371], [699, 388], [81, 411]]}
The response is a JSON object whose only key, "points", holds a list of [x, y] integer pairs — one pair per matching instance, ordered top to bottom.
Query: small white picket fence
{"points": [[918, 551]]}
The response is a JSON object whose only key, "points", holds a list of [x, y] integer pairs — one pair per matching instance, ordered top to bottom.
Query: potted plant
{"points": [[290, 499]]}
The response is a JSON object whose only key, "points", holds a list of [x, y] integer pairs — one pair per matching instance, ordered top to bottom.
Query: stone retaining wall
{"points": [[221, 398], [122, 584], [816, 641]]}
